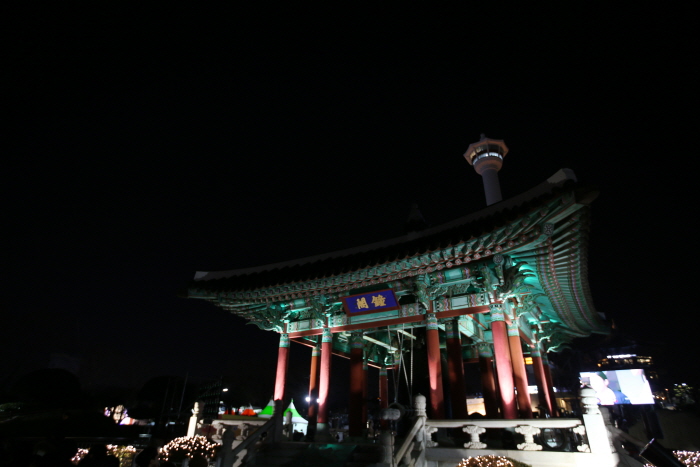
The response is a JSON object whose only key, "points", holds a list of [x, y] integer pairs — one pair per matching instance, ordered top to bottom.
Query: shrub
{"points": [[180, 448]]}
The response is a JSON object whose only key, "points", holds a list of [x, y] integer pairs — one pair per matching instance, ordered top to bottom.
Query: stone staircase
{"points": [[298, 454]]}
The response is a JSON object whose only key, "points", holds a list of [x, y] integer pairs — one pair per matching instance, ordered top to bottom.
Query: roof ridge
{"points": [[557, 180]]}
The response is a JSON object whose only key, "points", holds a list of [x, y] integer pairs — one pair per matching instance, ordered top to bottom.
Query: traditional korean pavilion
{"points": [[500, 284]]}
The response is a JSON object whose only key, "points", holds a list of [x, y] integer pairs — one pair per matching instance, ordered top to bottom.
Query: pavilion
{"points": [[499, 285]]}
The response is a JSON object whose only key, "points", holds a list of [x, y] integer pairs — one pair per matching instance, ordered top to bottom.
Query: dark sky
{"points": [[145, 145]]}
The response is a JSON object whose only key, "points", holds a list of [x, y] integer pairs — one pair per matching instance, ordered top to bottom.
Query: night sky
{"points": [[144, 145]]}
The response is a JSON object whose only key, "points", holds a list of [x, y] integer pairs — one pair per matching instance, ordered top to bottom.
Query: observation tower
{"points": [[487, 158]]}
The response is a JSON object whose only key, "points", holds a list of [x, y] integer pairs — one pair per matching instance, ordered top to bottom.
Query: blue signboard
{"points": [[370, 302]]}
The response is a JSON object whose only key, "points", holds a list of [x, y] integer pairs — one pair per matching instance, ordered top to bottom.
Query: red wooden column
{"points": [[432, 340], [282, 364], [455, 365], [504, 366], [519, 371], [541, 380], [324, 383], [488, 383], [550, 384], [313, 385], [356, 386], [364, 389], [383, 395]]}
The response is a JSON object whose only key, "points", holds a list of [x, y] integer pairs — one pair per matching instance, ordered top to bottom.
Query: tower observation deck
{"points": [[486, 156]]}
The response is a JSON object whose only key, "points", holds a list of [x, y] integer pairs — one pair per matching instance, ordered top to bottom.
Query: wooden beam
{"points": [[462, 311], [360, 326], [378, 342]]}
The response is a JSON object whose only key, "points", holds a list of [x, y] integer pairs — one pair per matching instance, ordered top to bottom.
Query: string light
{"points": [[179, 448], [125, 454], [79, 456], [689, 458], [486, 461]]}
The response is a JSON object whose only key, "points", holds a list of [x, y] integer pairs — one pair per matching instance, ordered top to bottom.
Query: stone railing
{"points": [[529, 428], [586, 441], [412, 442], [411, 453]]}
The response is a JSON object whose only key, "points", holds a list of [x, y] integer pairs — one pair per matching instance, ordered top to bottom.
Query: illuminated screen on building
{"points": [[615, 387]]}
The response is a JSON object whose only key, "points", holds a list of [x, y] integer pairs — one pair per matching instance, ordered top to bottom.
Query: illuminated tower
{"points": [[487, 158]]}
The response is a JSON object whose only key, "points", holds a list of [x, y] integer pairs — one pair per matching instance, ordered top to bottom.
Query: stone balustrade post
{"points": [[420, 403], [192, 427], [218, 431], [474, 431], [581, 431], [529, 432], [425, 435], [428, 436], [599, 439]]}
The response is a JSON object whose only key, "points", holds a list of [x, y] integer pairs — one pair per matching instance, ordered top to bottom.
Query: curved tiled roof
{"points": [[541, 236], [345, 261]]}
